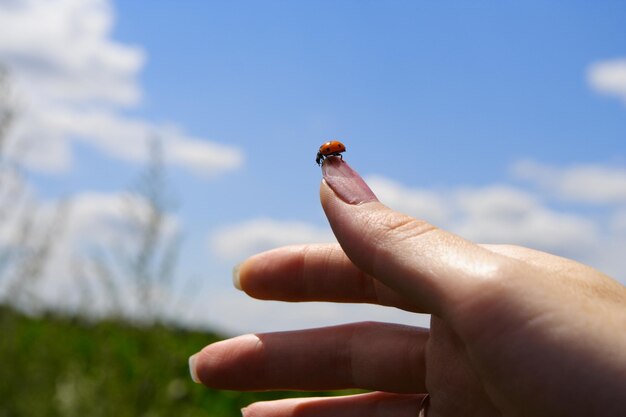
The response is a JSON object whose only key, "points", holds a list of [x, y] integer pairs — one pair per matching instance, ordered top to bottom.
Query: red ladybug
{"points": [[330, 148]]}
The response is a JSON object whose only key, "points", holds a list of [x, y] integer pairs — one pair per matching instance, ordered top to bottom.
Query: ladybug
{"points": [[330, 148]]}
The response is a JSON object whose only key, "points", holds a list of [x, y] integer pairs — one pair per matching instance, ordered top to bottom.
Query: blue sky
{"points": [[501, 121]]}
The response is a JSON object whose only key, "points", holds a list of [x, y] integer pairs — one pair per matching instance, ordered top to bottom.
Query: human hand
{"points": [[514, 332]]}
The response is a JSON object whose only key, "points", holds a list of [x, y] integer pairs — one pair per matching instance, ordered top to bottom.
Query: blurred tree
{"points": [[27, 230], [153, 261], [137, 271]]}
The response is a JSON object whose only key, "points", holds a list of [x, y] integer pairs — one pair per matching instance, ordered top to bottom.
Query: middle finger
{"points": [[316, 272], [376, 356]]}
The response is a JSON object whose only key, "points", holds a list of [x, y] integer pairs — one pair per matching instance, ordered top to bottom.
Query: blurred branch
{"points": [[7, 110], [27, 235], [35, 249], [156, 252], [148, 257], [104, 287]]}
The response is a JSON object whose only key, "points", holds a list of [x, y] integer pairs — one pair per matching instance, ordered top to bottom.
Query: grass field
{"points": [[59, 366]]}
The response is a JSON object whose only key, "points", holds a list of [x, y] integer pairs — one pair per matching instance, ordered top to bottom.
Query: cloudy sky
{"points": [[505, 123]]}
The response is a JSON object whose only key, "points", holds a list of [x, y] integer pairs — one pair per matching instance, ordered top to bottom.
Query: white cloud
{"points": [[63, 51], [609, 77], [72, 81], [128, 139], [202, 157], [588, 183], [429, 205], [491, 214], [503, 214], [110, 219], [618, 222], [238, 241]]}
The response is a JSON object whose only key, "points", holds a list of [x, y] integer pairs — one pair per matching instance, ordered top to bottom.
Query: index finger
{"points": [[436, 269]]}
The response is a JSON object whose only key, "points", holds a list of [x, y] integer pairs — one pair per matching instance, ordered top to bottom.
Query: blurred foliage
{"points": [[67, 366]]}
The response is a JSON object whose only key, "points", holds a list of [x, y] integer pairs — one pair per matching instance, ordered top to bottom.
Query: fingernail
{"points": [[346, 182], [236, 280], [192, 369], [243, 411]]}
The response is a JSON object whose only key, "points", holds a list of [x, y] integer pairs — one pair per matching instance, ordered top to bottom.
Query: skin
{"points": [[514, 331]]}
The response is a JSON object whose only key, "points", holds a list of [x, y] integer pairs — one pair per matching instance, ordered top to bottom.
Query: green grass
{"points": [[58, 366]]}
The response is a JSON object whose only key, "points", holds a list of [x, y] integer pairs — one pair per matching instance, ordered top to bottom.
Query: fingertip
{"points": [[346, 183], [242, 270], [257, 276], [237, 277], [226, 364], [192, 369]]}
